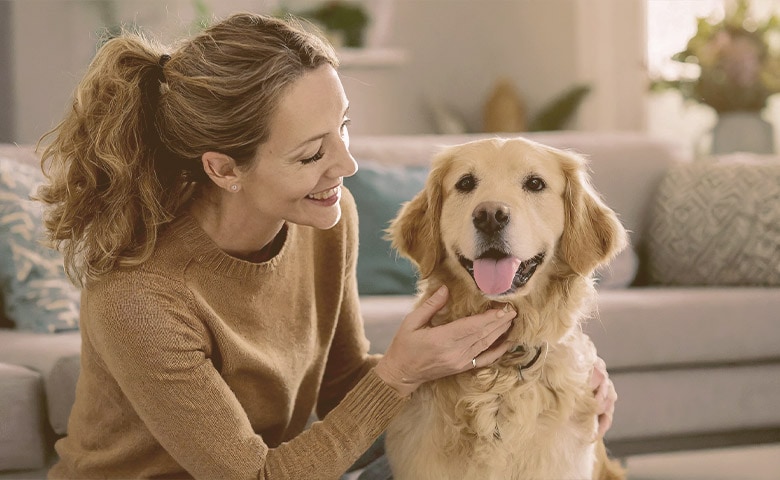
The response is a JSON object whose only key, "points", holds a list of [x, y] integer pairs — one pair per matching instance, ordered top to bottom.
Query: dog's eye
{"points": [[466, 183], [534, 184]]}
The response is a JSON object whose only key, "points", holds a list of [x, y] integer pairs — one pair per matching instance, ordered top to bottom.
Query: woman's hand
{"points": [[420, 353], [605, 393]]}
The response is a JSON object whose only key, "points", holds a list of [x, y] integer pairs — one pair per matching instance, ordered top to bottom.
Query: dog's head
{"points": [[495, 213]]}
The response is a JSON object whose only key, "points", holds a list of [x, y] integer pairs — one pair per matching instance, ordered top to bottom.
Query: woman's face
{"points": [[297, 174]]}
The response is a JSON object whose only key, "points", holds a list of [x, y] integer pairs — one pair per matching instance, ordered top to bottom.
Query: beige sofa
{"points": [[695, 363]]}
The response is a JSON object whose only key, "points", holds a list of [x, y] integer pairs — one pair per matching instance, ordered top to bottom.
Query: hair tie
{"points": [[161, 63]]}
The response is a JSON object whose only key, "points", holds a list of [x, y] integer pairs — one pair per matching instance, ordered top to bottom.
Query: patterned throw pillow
{"points": [[717, 224], [37, 295]]}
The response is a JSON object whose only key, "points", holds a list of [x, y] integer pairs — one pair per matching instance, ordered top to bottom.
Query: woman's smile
{"points": [[326, 197]]}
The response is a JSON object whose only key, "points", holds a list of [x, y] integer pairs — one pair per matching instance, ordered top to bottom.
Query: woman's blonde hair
{"points": [[127, 156]]}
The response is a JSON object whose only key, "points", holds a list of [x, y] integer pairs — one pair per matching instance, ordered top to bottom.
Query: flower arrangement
{"points": [[738, 59]]}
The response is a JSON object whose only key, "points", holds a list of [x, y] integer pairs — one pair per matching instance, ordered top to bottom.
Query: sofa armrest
{"points": [[55, 356], [22, 433]]}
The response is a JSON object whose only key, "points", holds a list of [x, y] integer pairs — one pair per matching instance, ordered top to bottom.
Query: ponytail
{"points": [[105, 197]]}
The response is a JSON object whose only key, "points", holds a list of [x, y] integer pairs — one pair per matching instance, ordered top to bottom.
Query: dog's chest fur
{"points": [[503, 421]]}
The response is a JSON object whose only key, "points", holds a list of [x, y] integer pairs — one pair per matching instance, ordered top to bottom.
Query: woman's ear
{"points": [[221, 169]]}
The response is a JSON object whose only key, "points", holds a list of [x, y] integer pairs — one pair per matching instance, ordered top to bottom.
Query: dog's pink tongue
{"points": [[495, 276]]}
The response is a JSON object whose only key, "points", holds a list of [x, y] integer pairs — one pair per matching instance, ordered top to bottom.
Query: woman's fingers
{"points": [[420, 316], [476, 327], [483, 343], [418, 354], [489, 356], [598, 375], [606, 396]]}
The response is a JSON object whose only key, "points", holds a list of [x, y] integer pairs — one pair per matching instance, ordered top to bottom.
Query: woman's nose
{"points": [[345, 165]]}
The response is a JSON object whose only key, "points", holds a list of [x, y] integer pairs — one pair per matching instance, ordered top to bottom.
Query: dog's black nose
{"points": [[490, 217]]}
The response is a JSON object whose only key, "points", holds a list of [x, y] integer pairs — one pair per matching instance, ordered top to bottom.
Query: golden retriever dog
{"points": [[508, 221]]}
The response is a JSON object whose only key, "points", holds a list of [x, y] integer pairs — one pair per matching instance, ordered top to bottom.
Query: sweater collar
{"points": [[205, 252]]}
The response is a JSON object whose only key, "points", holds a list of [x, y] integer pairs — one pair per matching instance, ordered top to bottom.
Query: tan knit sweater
{"points": [[197, 364]]}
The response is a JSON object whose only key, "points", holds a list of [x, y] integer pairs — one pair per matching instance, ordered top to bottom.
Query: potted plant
{"points": [[345, 19], [739, 69]]}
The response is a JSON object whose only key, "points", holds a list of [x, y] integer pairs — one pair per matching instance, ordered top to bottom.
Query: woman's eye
{"points": [[313, 158], [466, 183], [534, 184]]}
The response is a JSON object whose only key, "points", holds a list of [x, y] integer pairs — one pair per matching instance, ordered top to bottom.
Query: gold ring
{"points": [[474, 362]]}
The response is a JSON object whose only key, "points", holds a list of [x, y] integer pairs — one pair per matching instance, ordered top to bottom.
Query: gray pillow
{"points": [[717, 224]]}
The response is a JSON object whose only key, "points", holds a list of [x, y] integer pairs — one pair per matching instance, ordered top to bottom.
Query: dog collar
{"points": [[539, 350]]}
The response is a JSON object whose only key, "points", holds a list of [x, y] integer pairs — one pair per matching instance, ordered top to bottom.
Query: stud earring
{"points": [[234, 187]]}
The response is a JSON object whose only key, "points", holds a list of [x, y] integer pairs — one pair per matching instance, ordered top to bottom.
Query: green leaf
{"points": [[558, 111]]}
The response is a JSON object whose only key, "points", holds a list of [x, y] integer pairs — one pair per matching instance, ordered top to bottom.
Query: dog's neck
{"points": [[538, 322]]}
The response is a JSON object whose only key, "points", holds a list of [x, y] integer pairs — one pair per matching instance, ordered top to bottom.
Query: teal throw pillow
{"points": [[379, 191], [37, 295]]}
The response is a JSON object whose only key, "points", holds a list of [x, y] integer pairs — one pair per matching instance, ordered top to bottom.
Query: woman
{"points": [[196, 196]]}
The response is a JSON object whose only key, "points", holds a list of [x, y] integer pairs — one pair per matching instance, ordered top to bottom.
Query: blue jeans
{"points": [[373, 462]]}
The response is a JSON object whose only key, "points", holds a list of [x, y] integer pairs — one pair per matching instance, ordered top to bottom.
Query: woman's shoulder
{"points": [[161, 273], [136, 281]]}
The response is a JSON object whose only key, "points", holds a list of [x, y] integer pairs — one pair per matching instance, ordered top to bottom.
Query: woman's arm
{"points": [[158, 353]]}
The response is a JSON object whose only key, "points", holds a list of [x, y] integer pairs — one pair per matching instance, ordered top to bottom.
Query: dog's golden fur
{"points": [[530, 415]]}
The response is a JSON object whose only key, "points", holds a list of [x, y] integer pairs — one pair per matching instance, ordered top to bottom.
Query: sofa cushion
{"points": [[379, 191], [717, 224], [620, 272], [36, 293], [661, 327], [647, 328], [55, 358], [686, 402], [22, 439]]}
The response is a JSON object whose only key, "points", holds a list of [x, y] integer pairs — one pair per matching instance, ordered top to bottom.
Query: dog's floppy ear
{"points": [[415, 231], [593, 235]]}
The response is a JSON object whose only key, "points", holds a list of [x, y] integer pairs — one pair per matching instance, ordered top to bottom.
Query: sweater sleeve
{"points": [[157, 353]]}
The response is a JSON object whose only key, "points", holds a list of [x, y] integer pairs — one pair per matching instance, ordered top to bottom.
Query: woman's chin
{"points": [[325, 220]]}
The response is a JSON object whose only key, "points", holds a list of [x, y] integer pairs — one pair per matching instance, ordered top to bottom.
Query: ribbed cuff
{"points": [[372, 404]]}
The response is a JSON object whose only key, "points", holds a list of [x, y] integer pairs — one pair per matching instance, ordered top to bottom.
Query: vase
{"points": [[742, 132]]}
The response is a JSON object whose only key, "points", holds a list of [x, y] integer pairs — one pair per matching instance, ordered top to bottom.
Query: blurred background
{"points": [[420, 66]]}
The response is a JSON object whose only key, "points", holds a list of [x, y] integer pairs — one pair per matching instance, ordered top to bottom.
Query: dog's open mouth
{"points": [[498, 273]]}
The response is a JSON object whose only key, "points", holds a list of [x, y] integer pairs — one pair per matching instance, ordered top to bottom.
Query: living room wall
{"points": [[453, 53], [6, 75]]}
